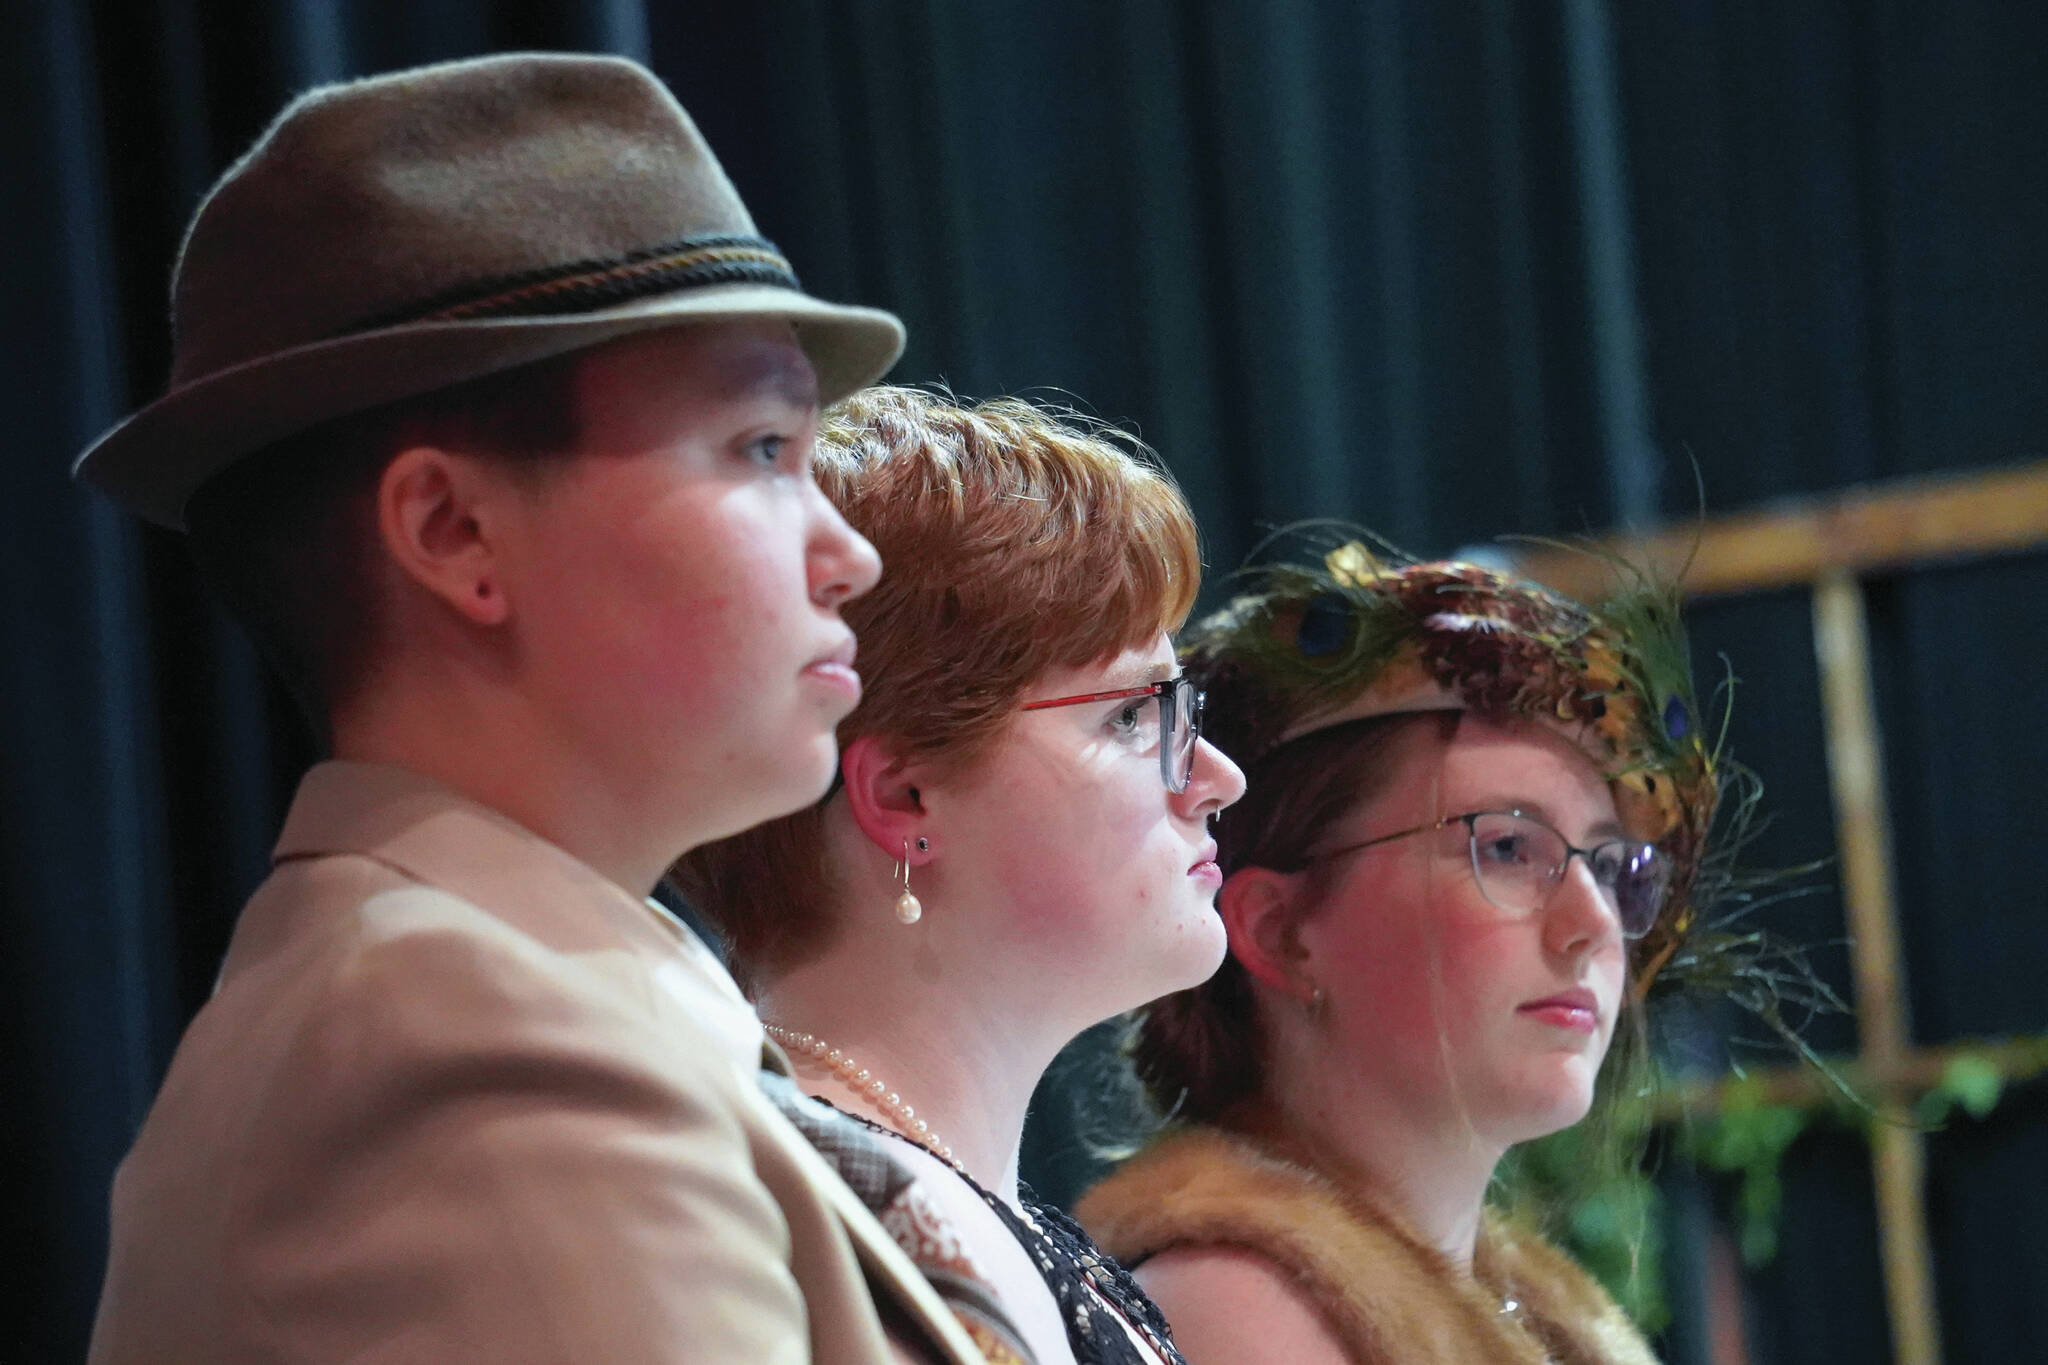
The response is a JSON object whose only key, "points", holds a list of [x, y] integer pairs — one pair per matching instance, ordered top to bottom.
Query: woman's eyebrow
{"points": [[1138, 675], [1505, 801], [1598, 833]]}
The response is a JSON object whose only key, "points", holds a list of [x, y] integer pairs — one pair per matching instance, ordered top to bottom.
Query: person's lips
{"points": [[835, 668], [1204, 865], [1577, 1009]]}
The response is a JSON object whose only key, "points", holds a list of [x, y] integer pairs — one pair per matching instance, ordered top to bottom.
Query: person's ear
{"points": [[434, 518], [883, 797], [1260, 910]]}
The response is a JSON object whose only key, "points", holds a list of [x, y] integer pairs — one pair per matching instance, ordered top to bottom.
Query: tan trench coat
{"points": [[459, 1098]]}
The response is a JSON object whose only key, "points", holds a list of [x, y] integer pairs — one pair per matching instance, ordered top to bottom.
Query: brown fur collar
{"points": [[1388, 1297]]}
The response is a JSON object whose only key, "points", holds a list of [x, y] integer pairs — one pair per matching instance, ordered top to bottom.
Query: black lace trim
{"points": [[1080, 1275], [1096, 1336]]}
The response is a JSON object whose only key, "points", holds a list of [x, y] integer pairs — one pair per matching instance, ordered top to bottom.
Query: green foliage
{"points": [[1969, 1082], [1748, 1138], [1586, 1189], [1586, 1194]]}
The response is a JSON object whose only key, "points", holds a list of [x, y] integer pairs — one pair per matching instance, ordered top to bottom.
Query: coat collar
{"points": [[430, 834], [436, 836]]}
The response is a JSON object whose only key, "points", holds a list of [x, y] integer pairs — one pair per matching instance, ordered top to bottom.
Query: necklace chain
{"points": [[866, 1084], [1082, 1280]]}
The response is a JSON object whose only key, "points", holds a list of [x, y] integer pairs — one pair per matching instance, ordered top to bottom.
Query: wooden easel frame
{"points": [[1828, 547]]}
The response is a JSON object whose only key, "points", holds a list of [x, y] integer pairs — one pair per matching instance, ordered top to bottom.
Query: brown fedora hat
{"points": [[395, 235]]}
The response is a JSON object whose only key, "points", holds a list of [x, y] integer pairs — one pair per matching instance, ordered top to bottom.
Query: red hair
{"points": [[1014, 540]]}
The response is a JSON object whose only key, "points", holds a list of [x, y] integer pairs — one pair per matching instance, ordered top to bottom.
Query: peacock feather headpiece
{"points": [[1367, 634]]}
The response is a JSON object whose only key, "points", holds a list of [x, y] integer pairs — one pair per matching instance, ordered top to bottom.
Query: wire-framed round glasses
{"points": [[1176, 725], [1519, 860]]}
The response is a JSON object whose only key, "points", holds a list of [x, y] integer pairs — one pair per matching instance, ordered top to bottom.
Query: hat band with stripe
{"points": [[585, 286]]}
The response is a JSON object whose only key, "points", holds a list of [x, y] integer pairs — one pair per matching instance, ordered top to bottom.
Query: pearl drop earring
{"points": [[909, 910]]}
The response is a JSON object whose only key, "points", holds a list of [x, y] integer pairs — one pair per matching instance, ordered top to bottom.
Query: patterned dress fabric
{"points": [[898, 1201]]}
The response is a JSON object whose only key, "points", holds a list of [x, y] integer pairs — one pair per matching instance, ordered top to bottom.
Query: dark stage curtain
{"points": [[1450, 270]]}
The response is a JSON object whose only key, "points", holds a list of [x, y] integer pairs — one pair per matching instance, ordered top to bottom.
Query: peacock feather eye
{"points": [[1325, 625], [1677, 720]]}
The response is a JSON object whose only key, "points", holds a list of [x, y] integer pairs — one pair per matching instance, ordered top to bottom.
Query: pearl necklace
{"points": [[866, 1084], [1091, 1289]]}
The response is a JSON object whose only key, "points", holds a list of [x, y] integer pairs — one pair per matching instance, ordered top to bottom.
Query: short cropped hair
{"points": [[286, 538], [1015, 540]]}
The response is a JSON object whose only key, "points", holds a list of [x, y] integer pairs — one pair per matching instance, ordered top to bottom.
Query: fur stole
{"points": [[1390, 1299]]}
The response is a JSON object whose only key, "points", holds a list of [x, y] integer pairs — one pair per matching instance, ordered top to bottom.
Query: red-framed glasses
{"points": [[1179, 722]]}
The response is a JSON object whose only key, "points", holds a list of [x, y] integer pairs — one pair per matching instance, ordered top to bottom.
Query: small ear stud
{"points": [[924, 845]]}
